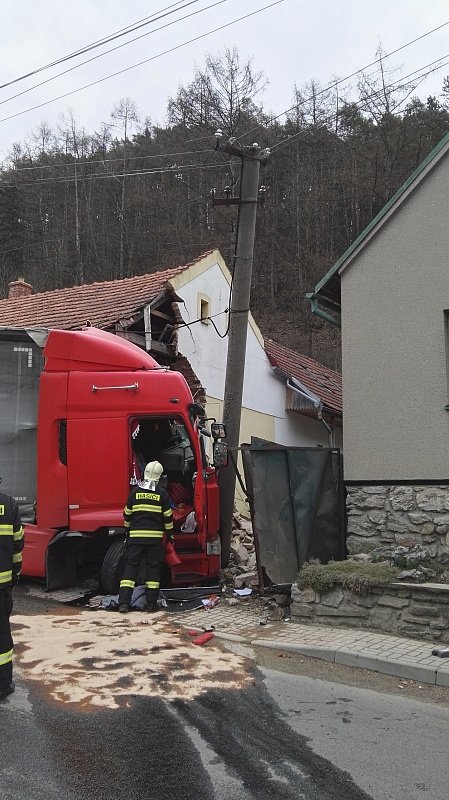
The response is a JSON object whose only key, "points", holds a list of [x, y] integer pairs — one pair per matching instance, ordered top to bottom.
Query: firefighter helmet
{"points": [[153, 471]]}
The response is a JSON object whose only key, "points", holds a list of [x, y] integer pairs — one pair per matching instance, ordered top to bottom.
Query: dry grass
{"points": [[358, 577]]}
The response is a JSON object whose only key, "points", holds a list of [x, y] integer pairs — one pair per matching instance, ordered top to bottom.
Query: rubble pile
{"points": [[242, 569], [241, 573]]}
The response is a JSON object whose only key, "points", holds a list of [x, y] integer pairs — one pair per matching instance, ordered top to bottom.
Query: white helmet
{"points": [[153, 471]]}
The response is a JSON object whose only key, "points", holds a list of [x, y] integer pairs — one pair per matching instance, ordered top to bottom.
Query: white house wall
{"points": [[264, 392], [293, 426]]}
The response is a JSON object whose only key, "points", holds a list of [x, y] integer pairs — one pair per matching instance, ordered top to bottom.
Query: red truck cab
{"points": [[105, 409]]}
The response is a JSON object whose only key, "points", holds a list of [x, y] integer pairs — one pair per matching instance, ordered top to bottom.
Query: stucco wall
{"points": [[394, 294]]}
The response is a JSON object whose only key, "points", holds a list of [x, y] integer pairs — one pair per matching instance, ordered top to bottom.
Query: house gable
{"points": [[202, 265], [327, 291]]}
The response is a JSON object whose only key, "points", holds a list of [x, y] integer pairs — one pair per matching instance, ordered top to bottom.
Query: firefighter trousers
{"points": [[151, 552], [6, 644]]}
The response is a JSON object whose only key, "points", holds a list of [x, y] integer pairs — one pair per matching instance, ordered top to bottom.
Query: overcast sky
{"points": [[291, 42]]}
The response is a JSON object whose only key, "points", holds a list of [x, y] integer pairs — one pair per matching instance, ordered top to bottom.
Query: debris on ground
{"points": [[243, 551], [240, 579], [238, 584], [210, 602], [203, 638], [442, 652]]}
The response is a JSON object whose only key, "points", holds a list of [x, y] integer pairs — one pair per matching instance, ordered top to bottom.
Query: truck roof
{"points": [[93, 349]]}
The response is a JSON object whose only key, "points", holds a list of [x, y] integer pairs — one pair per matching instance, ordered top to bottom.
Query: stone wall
{"points": [[392, 516], [417, 611]]}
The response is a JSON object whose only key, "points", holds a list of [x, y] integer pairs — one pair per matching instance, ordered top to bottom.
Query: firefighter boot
{"points": [[151, 597], [4, 693]]}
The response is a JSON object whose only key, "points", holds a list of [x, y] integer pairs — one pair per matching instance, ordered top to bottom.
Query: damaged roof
{"points": [[99, 304], [322, 381]]}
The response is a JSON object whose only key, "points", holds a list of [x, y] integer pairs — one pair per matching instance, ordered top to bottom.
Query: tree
{"points": [[222, 95], [124, 115], [11, 235]]}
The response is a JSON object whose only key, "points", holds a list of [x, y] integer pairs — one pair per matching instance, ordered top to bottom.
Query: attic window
{"points": [[204, 308]]}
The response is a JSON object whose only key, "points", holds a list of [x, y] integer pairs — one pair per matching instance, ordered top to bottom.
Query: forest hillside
{"points": [[78, 207]]}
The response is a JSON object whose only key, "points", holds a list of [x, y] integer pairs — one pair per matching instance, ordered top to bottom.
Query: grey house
{"points": [[390, 293]]}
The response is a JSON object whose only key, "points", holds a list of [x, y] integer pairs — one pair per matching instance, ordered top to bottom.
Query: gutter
{"points": [[319, 311], [316, 403]]}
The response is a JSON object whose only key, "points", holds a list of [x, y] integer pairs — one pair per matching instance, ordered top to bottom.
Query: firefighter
{"points": [[147, 517], [11, 546]]}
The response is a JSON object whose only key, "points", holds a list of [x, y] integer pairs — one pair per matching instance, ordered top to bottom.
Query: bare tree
{"points": [[222, 95], [124, 116]]}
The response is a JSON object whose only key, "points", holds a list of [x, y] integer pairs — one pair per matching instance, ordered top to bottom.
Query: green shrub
{"points": [[356, 576]]}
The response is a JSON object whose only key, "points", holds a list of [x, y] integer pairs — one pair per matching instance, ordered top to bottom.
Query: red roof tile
{"points": [[101, 304], [322, 381]]}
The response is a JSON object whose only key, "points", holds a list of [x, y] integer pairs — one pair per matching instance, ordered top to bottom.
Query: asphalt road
{"points": [[289, 733]]}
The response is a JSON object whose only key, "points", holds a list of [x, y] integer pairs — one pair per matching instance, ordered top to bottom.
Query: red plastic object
{"points": [[171, 557], [203, 638]]}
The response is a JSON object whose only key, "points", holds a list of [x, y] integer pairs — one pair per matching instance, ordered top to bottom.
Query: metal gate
{"points": [[297, 507]]}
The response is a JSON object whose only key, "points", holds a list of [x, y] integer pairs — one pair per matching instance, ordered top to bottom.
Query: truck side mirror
{"points": [[218, 430], [220, 454]]}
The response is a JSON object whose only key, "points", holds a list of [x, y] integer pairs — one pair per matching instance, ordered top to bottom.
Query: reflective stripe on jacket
{"points": [[147, 514], [11, 541]]}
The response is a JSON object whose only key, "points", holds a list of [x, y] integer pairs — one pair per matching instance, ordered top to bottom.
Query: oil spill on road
{"points": [[107, 664]]}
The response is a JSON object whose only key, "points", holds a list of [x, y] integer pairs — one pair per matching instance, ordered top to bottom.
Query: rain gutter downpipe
{"points": [[329, 429]]}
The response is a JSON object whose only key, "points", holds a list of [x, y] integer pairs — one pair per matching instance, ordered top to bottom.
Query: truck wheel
{"points": [[112, 566]]}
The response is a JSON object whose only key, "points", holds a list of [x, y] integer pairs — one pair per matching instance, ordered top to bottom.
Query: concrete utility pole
{"points": [[251, 156]]}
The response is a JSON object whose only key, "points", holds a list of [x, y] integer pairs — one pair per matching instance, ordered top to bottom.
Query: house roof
{"points": [[327, 290], [101, 304], [318, 379]]}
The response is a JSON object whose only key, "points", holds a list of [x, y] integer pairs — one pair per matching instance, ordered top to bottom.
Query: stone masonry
{"points": [[383, 516], [415, 611]]}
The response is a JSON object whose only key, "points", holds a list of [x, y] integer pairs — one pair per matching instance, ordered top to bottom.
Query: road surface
{"points": [[204, 723]]}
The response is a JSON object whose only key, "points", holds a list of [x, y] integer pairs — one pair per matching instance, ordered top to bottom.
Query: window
{"points": [[204, 308]]}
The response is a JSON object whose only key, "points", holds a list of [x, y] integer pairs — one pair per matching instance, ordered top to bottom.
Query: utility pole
{"points": [[252, 156]]}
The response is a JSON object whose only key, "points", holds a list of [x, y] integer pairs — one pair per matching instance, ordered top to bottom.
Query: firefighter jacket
{"points": [[148, 515], [11, 541]]}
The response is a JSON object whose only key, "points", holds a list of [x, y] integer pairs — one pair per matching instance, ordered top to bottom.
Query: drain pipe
{"points": [[329, 429]]}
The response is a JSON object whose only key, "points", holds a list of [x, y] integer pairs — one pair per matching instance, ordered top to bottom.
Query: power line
{"points": [[100, 42], [118, 47], [140, 63], [336, 83], [361, 103], [319, 160], [88, 162], [179, 167], [118, 175]]}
